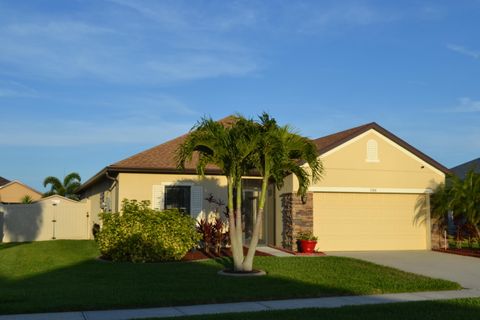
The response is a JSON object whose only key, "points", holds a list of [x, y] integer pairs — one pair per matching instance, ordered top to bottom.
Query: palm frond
{"points": [[71, 177]]}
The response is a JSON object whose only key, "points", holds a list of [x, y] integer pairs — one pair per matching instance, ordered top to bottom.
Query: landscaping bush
{"points": [[141, 234], [214, 234]]}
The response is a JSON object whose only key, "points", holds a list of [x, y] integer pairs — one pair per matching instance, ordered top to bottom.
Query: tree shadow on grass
{"points": [[5, 246], [94, 285]]}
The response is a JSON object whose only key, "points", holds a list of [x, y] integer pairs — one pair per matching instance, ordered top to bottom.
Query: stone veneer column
{"points": [[297, 217]]}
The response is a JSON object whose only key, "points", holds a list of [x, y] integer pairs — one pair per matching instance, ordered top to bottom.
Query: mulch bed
{"points": [[225, 252], [462, 252], [296, 253]]}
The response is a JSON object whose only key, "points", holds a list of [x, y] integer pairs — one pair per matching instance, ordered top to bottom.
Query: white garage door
{"points": [[369, 221]]}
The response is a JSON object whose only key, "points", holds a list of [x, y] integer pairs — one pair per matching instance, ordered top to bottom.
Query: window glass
{"points": [[178, 197]]}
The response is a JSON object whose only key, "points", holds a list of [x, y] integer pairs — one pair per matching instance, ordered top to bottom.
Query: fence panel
{"points": [[50, 218]]}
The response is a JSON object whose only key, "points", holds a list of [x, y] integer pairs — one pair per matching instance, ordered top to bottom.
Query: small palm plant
{"points": [[71, 182], [26, 199]]}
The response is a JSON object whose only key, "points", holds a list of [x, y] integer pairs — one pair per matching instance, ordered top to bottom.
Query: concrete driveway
{"points": [[463, 270]]}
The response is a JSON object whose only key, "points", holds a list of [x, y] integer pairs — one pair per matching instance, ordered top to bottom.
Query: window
{"points": [[372, 151], [178, 197], [188, 198]]}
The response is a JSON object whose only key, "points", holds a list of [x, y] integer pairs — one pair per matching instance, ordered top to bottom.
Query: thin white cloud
{"points": [[183, 16], [321, 17], [64, 30], [159, 42], [168, 49], [464, 50], [201, 66], [9, 89], [466, 104], [463, 105], [147, 118], [62, 132]]}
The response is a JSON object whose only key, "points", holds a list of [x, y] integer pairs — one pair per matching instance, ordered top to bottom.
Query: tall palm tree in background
{"points": [[275, 152], [71, 182]]}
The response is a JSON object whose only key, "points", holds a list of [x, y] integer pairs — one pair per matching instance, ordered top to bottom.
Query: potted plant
{"points": [[306, 242]]}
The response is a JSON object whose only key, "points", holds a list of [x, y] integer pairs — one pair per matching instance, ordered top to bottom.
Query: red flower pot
{"points": [[307, 246]]}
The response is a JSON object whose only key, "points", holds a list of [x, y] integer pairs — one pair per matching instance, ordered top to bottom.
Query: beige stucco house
{"points": [[14, 191], [374, 194]]}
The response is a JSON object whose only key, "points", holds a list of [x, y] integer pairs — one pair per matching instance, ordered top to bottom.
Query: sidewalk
{"points": [[330, 302]]}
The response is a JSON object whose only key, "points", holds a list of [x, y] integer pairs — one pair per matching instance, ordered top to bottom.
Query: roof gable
{"points": [[330, 142], [21, 184], [56, 197]]}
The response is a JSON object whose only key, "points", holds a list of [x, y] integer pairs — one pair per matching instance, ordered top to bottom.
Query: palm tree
{"points": [[229, 148], [273, 151], [281, 152], [67, 189], [462, 197], [465, 199], [439, 206]]}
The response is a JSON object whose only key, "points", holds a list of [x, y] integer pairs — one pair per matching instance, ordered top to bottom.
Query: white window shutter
{"points": [[158, 196], [196, 201]]}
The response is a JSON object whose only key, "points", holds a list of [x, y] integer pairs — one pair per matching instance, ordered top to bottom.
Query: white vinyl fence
{"points": [[54, 217]]}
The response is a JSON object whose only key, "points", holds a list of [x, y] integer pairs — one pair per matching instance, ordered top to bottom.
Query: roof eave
{"points": [[115, 169], [161, 170]]}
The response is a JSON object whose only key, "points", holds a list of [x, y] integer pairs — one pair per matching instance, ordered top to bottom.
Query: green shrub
{"points": [[141, 234], [306, 236]]}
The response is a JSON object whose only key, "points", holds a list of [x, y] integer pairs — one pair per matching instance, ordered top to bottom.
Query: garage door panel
{"points": [[368, 222]]}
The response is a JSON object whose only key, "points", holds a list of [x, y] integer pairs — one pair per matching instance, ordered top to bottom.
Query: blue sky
{"points": [[87, 83]]}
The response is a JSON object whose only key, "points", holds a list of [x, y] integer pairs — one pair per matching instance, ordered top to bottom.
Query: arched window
{"points": [[372, 151]]}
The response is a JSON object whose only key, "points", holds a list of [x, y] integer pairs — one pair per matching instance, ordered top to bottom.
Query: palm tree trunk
{"points": [[232, 229], [477, 230], [238, 255], [248, 262]]}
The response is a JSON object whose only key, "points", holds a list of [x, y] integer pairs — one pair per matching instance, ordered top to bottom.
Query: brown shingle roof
{"points": [[331, 141], [161, 158], [462, 169], [3, 181]]}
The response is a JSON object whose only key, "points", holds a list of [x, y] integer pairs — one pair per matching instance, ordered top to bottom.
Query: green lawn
{"points": [[64, 275], [430, 310]]}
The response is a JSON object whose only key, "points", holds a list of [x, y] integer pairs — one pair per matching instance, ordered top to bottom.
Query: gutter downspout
{"points": [[114, 184]]}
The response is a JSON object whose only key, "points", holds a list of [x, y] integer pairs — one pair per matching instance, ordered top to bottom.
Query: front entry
{"points": [[250, 207]]}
